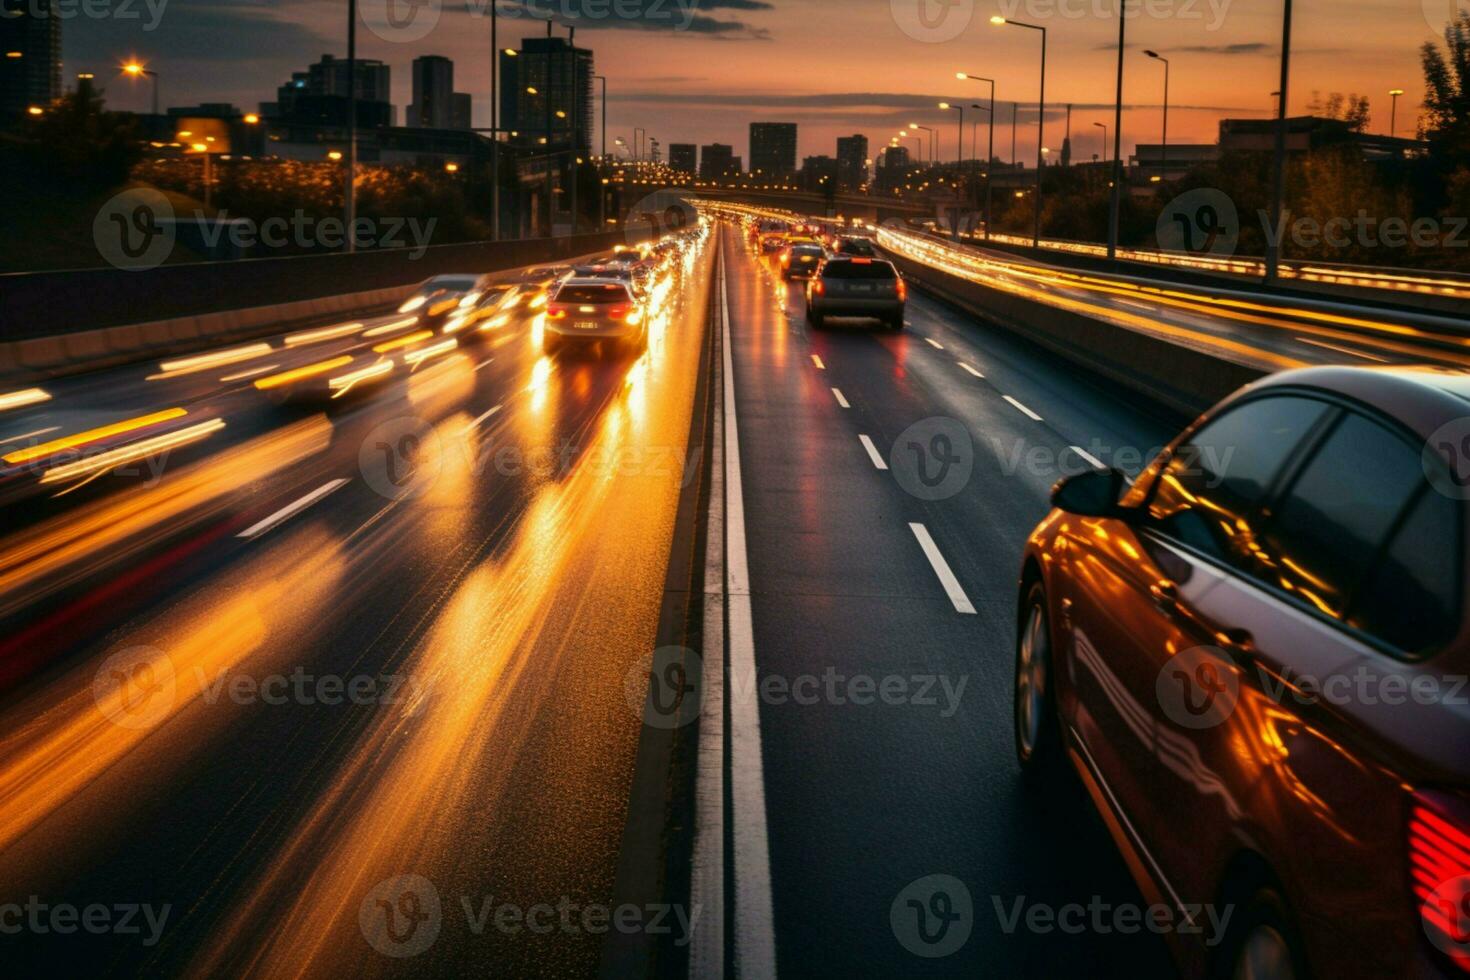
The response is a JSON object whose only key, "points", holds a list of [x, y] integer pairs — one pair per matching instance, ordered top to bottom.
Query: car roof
{"points": [[596, 281], [1422, 398]]}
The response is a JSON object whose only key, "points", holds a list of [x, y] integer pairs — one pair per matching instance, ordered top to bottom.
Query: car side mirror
{"points": [[1091, 494]]}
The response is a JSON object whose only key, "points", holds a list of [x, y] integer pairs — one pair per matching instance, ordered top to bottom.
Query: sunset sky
{"points": [[836, 67]]}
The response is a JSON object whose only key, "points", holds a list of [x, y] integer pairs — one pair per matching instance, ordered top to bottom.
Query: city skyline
{"points": [[704, 89]]}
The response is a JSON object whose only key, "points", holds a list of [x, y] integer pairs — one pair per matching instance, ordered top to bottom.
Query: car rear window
{"points": [[807, 250], [850, 269], [608, 293]]}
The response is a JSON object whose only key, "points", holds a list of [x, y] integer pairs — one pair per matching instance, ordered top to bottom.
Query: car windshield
{"points": [[858, 269], [592, 293]]}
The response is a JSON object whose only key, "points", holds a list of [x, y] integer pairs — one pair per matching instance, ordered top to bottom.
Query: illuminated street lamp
{"points": [[137, 70], [36, 110], [1393, 112], [1040, 117], [251, 119], [1104, 128], [990, 143], [959, 156], [1164, 156], [932, 158], [452, 168]]}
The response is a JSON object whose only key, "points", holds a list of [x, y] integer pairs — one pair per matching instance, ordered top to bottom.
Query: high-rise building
{"points": [[30, 56], [547, 80], [433, 92], [319, 95], [461, 111], [773, 149], [684, 157], [717, 160], [852, 162], [893, 168], [819, 174]]}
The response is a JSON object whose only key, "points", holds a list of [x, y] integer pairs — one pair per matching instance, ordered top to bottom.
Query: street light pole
{"points": [[1393, 112], [1040, 119], [494, 124], [1104, 128], [1164, 155], [959, 156], [932, 158], [574, 163], [1278, 183], [1115, 189], [349, 196]]}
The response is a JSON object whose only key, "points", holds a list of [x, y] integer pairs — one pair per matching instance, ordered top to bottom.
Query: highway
{"points": [[297, 649]]}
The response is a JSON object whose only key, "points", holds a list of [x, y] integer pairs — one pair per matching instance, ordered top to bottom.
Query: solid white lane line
{"points": [[933, 343], [1344, 350], [818, 362], [967, 367], [837, 393], [1022, 409], [14, 440], [873, 453], [1088, 458], [291, 510], [941, 568], [707, 860], [755, 938]]}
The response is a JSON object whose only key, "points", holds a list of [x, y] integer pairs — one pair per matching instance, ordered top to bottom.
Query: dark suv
{"points": [[859, 287], [1255, 658]]}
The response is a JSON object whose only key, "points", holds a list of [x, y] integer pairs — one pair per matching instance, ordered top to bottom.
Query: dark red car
{"points": [[1255, 658]]}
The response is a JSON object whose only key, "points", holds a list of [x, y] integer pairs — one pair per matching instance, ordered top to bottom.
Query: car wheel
{"points": [[896, 323], [1037, 731], [1262, 943]]}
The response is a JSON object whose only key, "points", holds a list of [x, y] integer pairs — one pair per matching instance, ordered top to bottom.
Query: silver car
{"points": [[858, 287], [584, 311]]}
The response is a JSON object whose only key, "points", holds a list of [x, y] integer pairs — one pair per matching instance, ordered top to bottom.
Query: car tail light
{"points": [[786, 259], [819, 287], [903, 290], [556, 312], [617, 312], [1439, 875]]}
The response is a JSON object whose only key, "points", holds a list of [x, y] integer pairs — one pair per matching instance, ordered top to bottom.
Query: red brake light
{"points": [[786, 258], [862, 261], [819, 287], [903, 290], [556, 311], [617, 312], [1439, 874]]}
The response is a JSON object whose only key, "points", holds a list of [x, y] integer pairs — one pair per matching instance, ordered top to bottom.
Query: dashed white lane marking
{"points": [[933, 343], [1344, 350], [818, 362], [484, 364], [967, 367], [241, 376], [837, 394], [1023, 409], [476, 423], [12, 440], [873, 453], [1088, 458], [291, 510], [941, 568]]}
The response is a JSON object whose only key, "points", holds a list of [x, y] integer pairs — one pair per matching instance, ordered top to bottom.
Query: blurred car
{"points": [[772, 244], [861, 247], [800, 261], [538, 281], [857, 287], [434, 299], [487, 306], [588, 310], [1181, 643]]}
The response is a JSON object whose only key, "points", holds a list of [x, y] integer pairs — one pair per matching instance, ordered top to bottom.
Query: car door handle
{"points": [[1165, 594]]}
